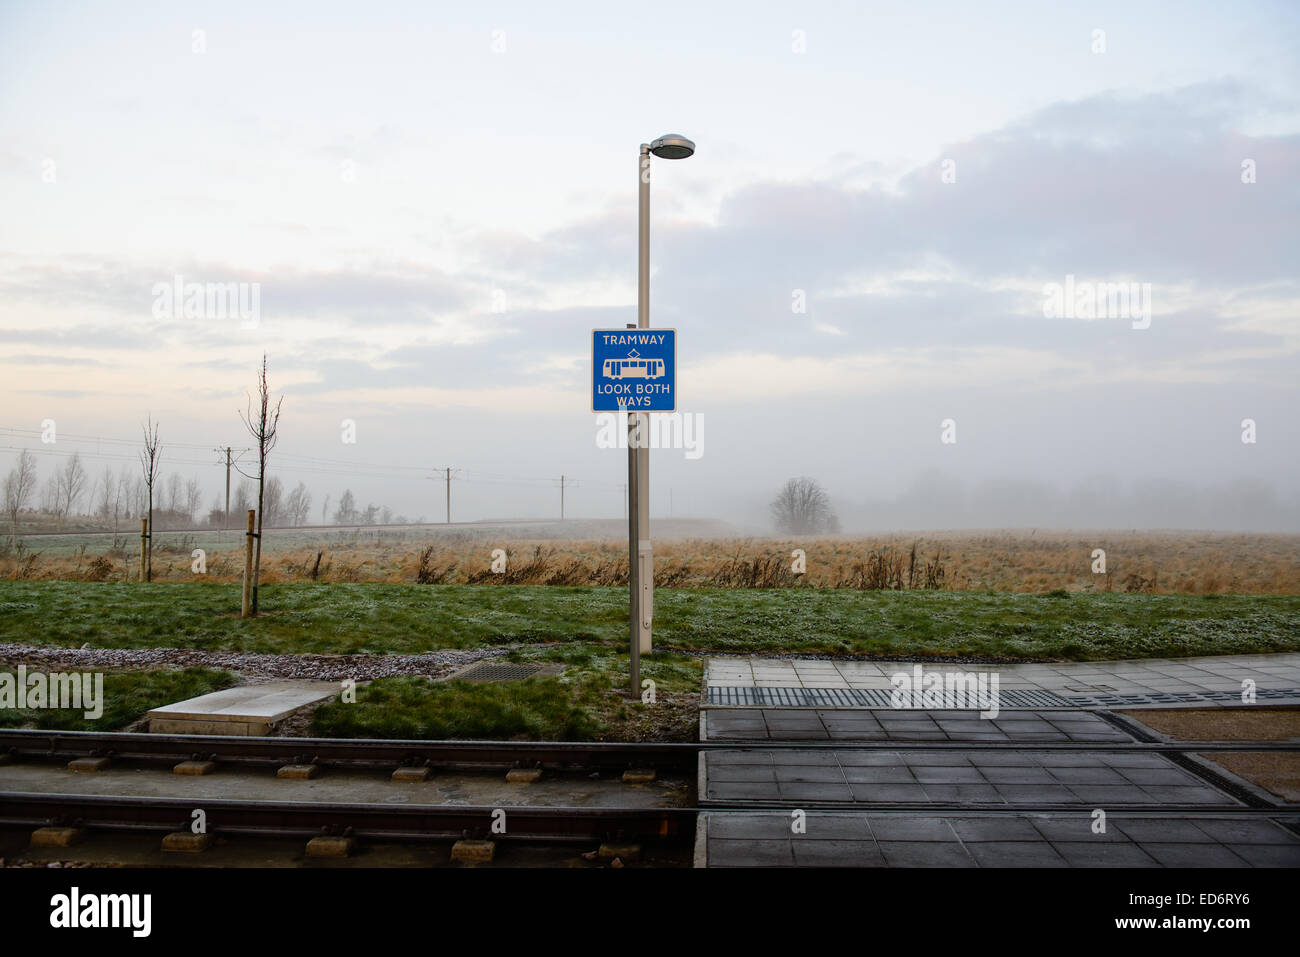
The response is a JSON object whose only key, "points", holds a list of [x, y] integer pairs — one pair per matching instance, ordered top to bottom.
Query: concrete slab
{"points": [[1088, 684], [250, 710], [827, 724], [90, 764], [196, 768], [298, 772], [412, 775], [1034, 779], [58, 836], [860, 839], [186, 842], [324, 845], [473, 852]]}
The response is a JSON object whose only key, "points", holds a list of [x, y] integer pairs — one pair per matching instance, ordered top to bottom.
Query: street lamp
{"points": [[672, 146], [640, 560]]}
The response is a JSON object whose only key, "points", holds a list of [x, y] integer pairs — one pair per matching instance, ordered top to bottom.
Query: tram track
{"points": [[529, 822]]}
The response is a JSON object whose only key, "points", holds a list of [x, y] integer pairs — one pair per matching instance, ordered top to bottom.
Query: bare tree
{"points": [[262, 424], [150, 461], [19, 485], [72, 485], [175, 492], [50, 496], [121, 496], [137, 496], [243, 497], [193, 499], [274, 501], [297, 506], [105, 507], [802, 507], [346, 514]]}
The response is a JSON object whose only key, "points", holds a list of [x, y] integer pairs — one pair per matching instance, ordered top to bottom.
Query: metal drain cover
{"points": [[495, 671]]}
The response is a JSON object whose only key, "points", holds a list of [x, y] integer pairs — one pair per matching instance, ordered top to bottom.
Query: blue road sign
{"points": [[633, 370]]}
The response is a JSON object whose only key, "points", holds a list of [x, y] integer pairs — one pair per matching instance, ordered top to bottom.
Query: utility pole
{"points": [[230, 460], [447, 478], [565, 482], [226, 527]]}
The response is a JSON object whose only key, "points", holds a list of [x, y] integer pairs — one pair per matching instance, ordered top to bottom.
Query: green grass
{"points": [[379, 618], [128, 695], [587, 703], [539, 709]]}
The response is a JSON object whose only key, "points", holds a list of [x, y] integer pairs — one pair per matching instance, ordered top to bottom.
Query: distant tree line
{"points": [[113, 499]]}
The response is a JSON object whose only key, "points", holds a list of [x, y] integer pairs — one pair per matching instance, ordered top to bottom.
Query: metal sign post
{"points": [[634, 372], [648, 395], [633, 579]]}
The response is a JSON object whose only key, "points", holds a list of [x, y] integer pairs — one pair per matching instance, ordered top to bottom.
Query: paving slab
{"points": [[1158, 682], [250, 710], [829, 724], [1038, 779], [862, 839]]}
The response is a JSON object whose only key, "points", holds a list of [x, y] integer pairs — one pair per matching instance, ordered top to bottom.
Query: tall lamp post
{"points": [[640, 561]]}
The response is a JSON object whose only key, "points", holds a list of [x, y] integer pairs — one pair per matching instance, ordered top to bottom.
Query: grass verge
{"points": [[378, 618], [128, 696], [584, 704]]}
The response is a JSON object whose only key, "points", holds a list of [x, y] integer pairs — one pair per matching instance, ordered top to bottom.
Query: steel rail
{"points": [[345, 751], [545, 754], [405, 821]]}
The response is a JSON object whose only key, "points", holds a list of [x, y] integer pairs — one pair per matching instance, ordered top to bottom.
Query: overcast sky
{"points": [[438, 203]]}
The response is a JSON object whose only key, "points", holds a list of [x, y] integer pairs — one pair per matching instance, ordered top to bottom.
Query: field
{"points": [[1170, 563], [563, 601], [378, 619], [584, 629]]}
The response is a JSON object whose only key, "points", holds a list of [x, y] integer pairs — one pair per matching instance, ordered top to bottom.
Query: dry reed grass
{"points": [[1167, 563]]}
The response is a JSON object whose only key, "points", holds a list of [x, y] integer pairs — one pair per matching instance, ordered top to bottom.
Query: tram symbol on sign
{"points": [[633, 367], [634, 370]]}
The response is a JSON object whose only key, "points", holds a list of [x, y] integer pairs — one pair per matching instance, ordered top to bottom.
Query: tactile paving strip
{"points": [[751, 697], [1178, 697], [1012, 698]]}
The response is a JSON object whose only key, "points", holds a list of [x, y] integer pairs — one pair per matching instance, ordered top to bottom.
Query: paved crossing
{"points": [[1084, 791]]}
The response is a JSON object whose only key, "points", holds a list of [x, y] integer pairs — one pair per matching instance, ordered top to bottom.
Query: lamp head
{"points": [[672, 146]]}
